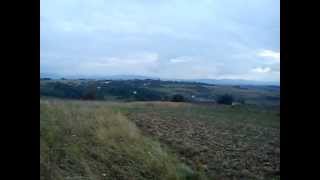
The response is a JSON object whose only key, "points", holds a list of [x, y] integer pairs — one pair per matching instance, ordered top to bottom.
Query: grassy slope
{"points": [[89, 140], [225, 142]]}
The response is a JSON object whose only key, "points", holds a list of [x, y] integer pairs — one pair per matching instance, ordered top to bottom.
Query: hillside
{"points": [[89, 140], [157, 140]]}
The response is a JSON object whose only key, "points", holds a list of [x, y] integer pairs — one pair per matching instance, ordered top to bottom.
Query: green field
{"points": [[157, 140]]}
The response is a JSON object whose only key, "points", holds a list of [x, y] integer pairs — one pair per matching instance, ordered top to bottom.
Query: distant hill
{"points": [[50, 75], [112, 77], [131, 77], [235, 82], [156, 90]]}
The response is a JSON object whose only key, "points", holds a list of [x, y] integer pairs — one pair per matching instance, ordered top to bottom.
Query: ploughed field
{"points": [[158, 140], [226, 142]]}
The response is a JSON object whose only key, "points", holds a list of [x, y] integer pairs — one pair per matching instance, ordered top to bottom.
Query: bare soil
{"points": [[221, 149]]}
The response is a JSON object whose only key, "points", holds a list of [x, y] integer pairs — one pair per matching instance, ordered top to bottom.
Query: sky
{"points": [[179, 39]]}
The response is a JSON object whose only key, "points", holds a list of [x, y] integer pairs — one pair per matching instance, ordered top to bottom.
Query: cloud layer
{"points": [[169, 39]]}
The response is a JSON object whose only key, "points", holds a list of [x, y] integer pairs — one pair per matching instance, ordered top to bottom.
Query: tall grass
{"points": [[88, 140]]}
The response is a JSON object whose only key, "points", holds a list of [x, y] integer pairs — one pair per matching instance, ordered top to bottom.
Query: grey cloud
{"points": [[221, 37]]}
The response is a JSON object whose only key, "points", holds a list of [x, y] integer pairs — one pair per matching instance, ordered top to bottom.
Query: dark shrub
{"points": [[60, 90], [90, 92], [90, 95], [178, 98], [225, 99]]}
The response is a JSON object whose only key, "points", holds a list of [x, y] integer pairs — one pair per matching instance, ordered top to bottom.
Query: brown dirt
{"points": [[222, 150]]}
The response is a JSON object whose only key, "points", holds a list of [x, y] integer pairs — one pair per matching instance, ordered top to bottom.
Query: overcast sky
{"points": [[238, 39]]}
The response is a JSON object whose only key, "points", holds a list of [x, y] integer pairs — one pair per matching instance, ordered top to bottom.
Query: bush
{"points": [[90, 93], [178, 98], [225, 99]]}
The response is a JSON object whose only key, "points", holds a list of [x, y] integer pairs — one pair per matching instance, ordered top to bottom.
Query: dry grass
{"points": [[90, 140]]}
